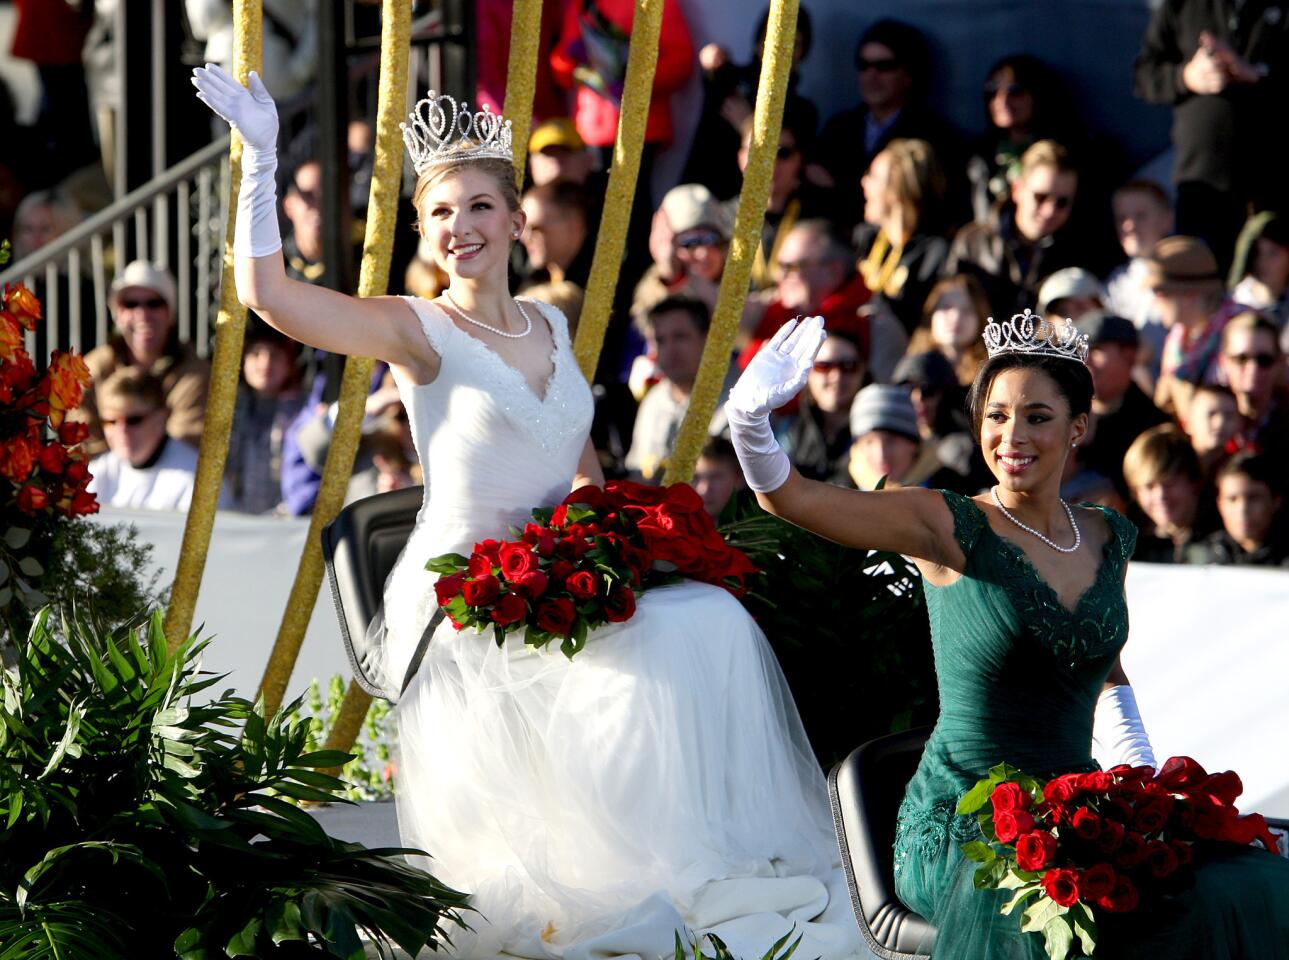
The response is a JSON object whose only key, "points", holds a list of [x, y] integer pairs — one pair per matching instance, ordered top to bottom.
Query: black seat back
{"points": [[360, 547], [865, 790]]}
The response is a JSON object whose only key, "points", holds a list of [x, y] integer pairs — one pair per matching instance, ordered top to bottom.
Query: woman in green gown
{"points": [[1026, 602]]}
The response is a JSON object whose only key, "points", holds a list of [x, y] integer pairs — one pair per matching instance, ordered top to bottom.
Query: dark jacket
{"points": [[919, 268], [1115, 432], [1221, 548]]}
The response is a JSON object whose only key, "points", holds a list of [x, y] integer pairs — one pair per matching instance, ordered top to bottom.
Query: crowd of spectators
{"points": [[905, 234]]}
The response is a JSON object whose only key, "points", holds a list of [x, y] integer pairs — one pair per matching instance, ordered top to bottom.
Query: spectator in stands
{"points": [[290, 41], [491, 56], [893, 67], [1221, 67], [729, 96], [1024, 102], [558, 154], [302, 205], [1143, 215], [42, 217], [556, 235], [688, 242], [1023, 242], [901, 251], [1259, 275], [423, 277], [817, 278], [1069, 293], [564, 295], [143, 309], [1194, 309], [953, 317], [676, 329], [1254, 367], [268, 400], [1121, 409], [1212, 421], [817, 437], [885, 437], [947, 456], [143, 466], [717, 476], [1164, 478], [1248, 501]]}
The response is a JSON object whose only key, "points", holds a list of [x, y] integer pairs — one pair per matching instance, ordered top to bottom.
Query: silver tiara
{"points": [[443, 131], [1027, 333]]}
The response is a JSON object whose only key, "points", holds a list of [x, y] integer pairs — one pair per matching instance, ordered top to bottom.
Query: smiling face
{"points": [[1043, 198], [1140, 220], [469, 226], [144, 320], [836, 375], [133, 428], [1027, 430], [1169, 502]]}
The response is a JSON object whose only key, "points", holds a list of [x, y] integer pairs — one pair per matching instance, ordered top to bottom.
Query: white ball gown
{"points": [[660, 780]]}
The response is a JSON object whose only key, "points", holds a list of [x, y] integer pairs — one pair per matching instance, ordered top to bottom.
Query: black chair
{"points": [[359, 548], [865, 790]]}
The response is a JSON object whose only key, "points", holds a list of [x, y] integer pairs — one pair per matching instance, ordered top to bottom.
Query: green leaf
{"points": [[17, 537], [447, 563], [30, 566], [4, 571], [976, 797], [979, 852], [989, 875], [1023, 894], [1038, 913], [1085, 927], [1058, 937], [243, 943]]}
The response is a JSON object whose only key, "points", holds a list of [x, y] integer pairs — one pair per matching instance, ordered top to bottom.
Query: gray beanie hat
{"points": [[883, 406]]}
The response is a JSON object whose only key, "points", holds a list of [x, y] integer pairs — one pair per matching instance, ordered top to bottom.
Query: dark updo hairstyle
{"points": [[1072, 379]]}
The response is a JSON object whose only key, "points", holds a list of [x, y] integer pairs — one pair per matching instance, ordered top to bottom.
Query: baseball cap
{"points": [[559, 132], [692, 205], [140, 273], [1069, 282], [1102, 328], [931, 371]]}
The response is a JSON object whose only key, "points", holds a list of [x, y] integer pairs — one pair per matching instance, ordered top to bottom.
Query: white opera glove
{"points": [[252, 113], [774, 376], [1117, 727]]}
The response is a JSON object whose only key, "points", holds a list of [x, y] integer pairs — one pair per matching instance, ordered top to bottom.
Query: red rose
{"points": [[73, 433], [17, 458], [51, 458], [77, 472], [622, 492], [589, 496], [32, 498], [84, 502], [560, 516], [545, 545], [490, 549], [639, 560], [517, 561], [479, 565], [560, 570], [532, 585], [583, 585], [447, 587], [481, 592], [619, 605], [510, 609], [556, 616], [1178, 772], [1129, 776], [1096, 782], [1062, 789], [1009, 796], [1120, 809], [1151, 815], [1211, 816], [1086, 823], [1010, 824], [1112, 834], [1133, 850], [1182, 850], [1034, 851], [1161, 858], [1096, 882], [1062, 886], [1122, 898]]}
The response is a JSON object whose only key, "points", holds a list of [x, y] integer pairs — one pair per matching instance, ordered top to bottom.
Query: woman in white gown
{"points": [[661, 780]]}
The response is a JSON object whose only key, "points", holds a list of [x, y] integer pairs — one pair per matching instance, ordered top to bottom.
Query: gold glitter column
{"points": [[521, 76], [637, 92], [770, 94], [373, 281], [226, 366]]}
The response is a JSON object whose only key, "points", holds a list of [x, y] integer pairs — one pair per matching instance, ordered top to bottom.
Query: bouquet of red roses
{"points": [[582, 563], [1084, 845]]}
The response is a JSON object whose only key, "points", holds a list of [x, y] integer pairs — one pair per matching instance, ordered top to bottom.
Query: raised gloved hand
{"points": [[253, 115], [774, 376]]}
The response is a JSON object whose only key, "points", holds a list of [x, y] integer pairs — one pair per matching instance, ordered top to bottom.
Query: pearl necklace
{"points": [[528, 321], [1078, 537]]}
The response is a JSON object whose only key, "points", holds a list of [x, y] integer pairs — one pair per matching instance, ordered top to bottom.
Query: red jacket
{"points": [[492, 52], [595, 115], [840, 310]]}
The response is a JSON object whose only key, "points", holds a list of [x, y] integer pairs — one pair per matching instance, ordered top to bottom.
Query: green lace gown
{"points": [[1019, 675]]}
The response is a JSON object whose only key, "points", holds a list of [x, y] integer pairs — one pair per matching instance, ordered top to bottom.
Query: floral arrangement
{"points": [[43, 473], [581, 564], [1084, 845]]}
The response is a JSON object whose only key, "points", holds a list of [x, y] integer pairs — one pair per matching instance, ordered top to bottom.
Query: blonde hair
{"points": [[1046, 153], [499, 170], [915, 180], [565, 295], [131, 383], [1162, 451]]}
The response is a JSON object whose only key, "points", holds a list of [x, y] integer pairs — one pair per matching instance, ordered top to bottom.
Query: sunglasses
{"points": [[885, 65], [1011, 89], [311, 197], [1060, 201], [702, 239], [787, 268], [152, 303], [1262, 360], [842, 366], [131, 420]]}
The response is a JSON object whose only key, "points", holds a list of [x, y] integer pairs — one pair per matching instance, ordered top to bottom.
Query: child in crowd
{"points": [[1143, 215], [952, 317], [1212, 421], [884, 428], [1164, 478], [718, 479], [1249, 508]]}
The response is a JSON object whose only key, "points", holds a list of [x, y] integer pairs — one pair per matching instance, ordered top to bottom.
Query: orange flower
{"points": [[22, 303], [10, 337], [65, 384], [16, 459]]}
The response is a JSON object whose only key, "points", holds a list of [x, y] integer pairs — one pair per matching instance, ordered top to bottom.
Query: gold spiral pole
{"points": [[521, 77], [637, 91], [767, 119], [373, 281], [226, 365]]}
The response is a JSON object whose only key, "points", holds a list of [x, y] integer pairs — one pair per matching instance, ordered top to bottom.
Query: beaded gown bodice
{"points": [[1018, 672]]}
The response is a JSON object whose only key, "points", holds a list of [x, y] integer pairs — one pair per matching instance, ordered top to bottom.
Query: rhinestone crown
{"points": [[441, 130], [1028, 333]]}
